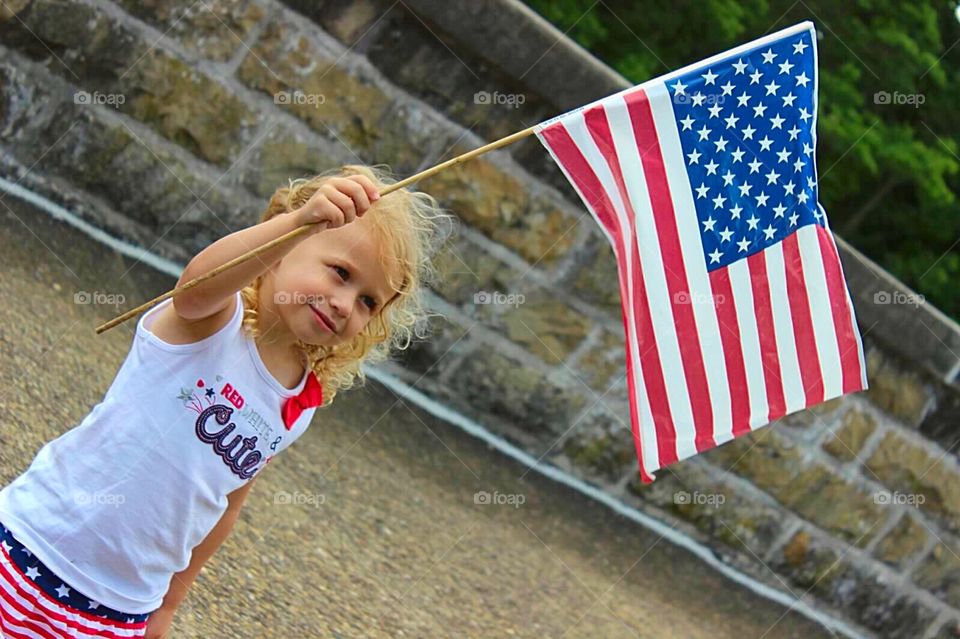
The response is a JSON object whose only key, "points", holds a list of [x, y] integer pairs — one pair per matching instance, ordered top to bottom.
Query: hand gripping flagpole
{"points": [[303, 229]]}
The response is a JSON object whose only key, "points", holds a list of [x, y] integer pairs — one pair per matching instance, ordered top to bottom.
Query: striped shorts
{"points": [[36, 604]]}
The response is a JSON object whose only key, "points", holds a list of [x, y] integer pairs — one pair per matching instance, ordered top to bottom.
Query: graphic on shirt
{"points": [[214, 426]]}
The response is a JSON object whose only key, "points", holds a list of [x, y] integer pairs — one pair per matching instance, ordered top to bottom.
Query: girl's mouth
{"points": [[324, 321]]}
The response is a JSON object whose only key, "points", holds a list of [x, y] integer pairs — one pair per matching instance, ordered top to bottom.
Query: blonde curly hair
{"points": [[410, 227]]}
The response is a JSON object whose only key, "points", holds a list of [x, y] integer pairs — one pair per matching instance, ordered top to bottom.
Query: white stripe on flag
{"points": [[739, 274], [654, 275], [698, 280], [824, 332], [793, 394]]}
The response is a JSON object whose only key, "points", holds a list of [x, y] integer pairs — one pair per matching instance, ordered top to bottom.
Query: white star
{"points": [[798, 47], [768, 56], [739, 65], [785, 66], [755, 76], [709, 77], [802, 79], [679, 87], [772, 87], [727, 88], [698, 98], [742, 99], [788, 99], [759, 110], [714, 111], [804, 115], [731, 121], [776, 121], [687, 123], [704, 132], [748, 132], [794, 132], [765, 143], [721, 144], [807, 149], [737, 155], [784, 155], [694, 157], [755, 165], [798, 165], [711, 167], [772, 177], [728, 178], [811, 183], [788, 187], [745, 189], [702, 190], [802, 198], [762, 199], [718, 201], [779, 210], [735, 212], [793, 219], [752, 222], [708, 224], [769, 232], [725, 234], [743, 244], [715, 256], [27, 552], [33, 572], [66, 591], [94, 604]]}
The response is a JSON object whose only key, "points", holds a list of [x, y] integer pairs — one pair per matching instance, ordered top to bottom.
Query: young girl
{"points": [[111, 523]]}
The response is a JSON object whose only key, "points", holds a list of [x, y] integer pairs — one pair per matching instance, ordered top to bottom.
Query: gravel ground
{"points": [[382, 537]]}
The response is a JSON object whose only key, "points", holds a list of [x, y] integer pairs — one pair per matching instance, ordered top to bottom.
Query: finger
{"points": [[357, 193], [373, 193], [344, 202]]}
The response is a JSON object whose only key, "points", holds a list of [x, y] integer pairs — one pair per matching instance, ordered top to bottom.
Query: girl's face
{"points": [[337, 274]]}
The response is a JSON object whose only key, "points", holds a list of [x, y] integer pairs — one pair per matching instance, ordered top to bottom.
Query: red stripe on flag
{"points": [[579, 170], [664, 217], [842, 317], [732, 350], [769, 357], [810, 373]]}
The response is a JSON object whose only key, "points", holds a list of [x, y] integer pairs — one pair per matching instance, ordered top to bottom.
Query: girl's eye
{"points": [[340, 268], [371, 303]]}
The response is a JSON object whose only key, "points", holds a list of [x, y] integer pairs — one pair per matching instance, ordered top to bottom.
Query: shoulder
{"points": [[170, 327]]}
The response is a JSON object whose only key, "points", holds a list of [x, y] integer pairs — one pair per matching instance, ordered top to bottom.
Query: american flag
{"points": [[734, 303]]}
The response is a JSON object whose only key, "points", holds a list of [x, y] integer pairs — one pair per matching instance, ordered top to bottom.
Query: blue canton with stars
{"points": [[746, 127]]}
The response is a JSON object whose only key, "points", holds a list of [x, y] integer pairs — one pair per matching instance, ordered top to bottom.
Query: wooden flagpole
{"points": [[303, 229]]}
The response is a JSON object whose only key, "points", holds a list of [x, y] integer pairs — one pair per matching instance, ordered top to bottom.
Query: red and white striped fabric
{"points": [[718, 343], [27, 612]]}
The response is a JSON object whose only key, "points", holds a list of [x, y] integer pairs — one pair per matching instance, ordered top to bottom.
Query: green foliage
{"points": [[889, 173]]}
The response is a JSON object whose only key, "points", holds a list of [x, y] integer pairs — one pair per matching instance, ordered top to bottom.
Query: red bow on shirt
{"points": [[310, 396]]}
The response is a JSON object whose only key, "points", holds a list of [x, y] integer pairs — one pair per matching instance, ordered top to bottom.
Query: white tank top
{"points": [[115, 505]]}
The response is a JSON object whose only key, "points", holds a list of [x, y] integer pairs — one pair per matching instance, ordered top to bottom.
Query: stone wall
{"points": [[169, 123]]}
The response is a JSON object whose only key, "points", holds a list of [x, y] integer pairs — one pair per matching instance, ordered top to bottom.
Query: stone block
{"points": [[919, 477]]}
